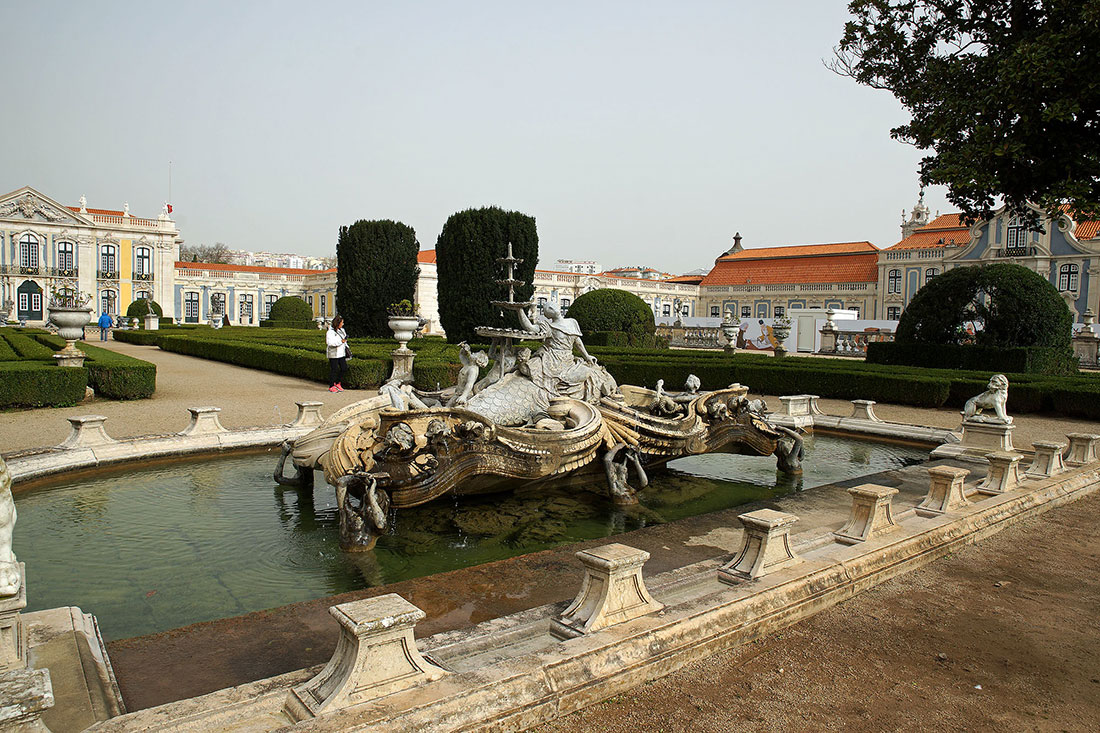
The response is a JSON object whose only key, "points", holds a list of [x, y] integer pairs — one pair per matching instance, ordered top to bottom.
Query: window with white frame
{"points": [[1015, 234], [28, 251], [66, 257], [108, 259], [143, 261], [929, 273], [1068, 277], [893, 281], [143, 295], [309, 299], [269, 300], [24, 301], [108, 302], [217, 304], [541, 304], [324, 305], [565, 305], [191, 307], [246, 309], [667, 310], [715, 311], [746, 311], [780, 311], [893, 313]]}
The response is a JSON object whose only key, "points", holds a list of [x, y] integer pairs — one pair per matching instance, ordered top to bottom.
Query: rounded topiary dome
{"points": [[1014, 306], [140, 308], [290, 308], [613, 310]]}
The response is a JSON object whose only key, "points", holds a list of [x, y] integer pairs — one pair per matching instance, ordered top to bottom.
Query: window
{"points": [[1015, 234], [28, 251], [65, 257], [108, 260], [143, 261], [929, 273], [1068, 277], [894, 281], [143, 295], [309, 299], [269, 300], [24, 301], [36, 301], [108, 302], [217, 304], [324, 304], [541, 304], [565, 305], [191, 307], [246, 309], [856, 309], [667, 310], [746, 311], [780, 311], [715, 312], [893, 313]]}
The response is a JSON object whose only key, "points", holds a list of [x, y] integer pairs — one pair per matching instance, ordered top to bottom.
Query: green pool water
{"points": [[155, 548]]}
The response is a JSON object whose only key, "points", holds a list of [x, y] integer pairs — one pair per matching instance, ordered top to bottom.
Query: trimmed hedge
{"points": [[140, 308], [291, 308], [612, 310], [308, 325], [27, 348], [1020, 359], [111, 375], [37, 384]]}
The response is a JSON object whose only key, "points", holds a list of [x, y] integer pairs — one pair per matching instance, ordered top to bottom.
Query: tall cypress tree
{"points": [[466, 261], [377, 267]]}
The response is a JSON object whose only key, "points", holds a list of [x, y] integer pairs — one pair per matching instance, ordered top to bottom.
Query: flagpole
{"points": [[169, 181]]}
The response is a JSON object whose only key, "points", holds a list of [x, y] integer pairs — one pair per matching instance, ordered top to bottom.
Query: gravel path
{"points": [[247, 397]]}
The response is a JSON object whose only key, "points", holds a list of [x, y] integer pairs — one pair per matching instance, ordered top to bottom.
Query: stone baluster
{"points": [[864, 410], [309, 415], [204, 421], [87, 431], [1082, 448], [1047, 461], [1004, 473], [945, 491], [871, 514], [765, 546], [612, 592], [375, 655]]}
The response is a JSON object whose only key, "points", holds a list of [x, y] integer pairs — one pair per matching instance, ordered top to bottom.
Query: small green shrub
{"points": [[140, 308], [291, 309], [609, 309]]}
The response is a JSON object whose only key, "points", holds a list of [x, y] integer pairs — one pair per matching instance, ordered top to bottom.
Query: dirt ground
{"points": [[1000, 636]]}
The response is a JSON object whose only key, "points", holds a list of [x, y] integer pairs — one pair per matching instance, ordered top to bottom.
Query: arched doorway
{"points": [[29, 301]]}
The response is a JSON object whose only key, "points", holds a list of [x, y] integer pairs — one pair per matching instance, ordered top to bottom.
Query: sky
{"points": [[636, 133]]}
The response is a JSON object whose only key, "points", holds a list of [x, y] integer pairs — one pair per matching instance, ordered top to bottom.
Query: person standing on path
{"points": [[104, 326], [336, 346]]}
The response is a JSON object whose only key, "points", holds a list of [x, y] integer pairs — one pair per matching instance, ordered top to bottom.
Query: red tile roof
{"points": [[105, 212], [1087, 230], [943, 231], [800, 250], [426, 256], [811, 264], [246, 268], [693, 279]]}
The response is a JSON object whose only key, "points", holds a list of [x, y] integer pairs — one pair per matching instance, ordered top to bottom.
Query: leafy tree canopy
{"points": [[1006, 93], [467, 254], [377, 267], [1015, 306], [290, 308], [608, 309]]}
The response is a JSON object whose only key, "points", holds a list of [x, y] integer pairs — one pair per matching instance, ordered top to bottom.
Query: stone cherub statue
{"points": [[467, 376], [994, 398], [9, 567]]}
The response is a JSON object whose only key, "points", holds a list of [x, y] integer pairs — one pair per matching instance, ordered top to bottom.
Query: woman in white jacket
{"points": [[336, 346]]}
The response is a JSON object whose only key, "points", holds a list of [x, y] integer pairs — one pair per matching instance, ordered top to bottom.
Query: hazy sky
{"points": [[634, 132]]}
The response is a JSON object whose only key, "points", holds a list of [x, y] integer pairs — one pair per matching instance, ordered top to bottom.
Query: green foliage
{"points": [[1003, 92], [466, 260], [377, 267], [1017, 307], [140, 308], [291, 309], [615, 311], [304, 325], [605, 338], [26, 347], [1024, 359], [112, 375], [38, 384]]}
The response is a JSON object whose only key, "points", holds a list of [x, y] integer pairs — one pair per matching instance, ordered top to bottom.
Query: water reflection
{"points": [[190, 541]]}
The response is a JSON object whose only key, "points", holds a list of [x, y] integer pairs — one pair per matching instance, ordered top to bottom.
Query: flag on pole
{"points": [[169, 207]]}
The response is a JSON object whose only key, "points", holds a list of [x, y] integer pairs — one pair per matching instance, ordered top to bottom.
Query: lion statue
{"points": [[993, 399]]}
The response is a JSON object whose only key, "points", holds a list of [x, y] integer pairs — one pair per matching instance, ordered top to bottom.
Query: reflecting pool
{"points": [[148, 549]]}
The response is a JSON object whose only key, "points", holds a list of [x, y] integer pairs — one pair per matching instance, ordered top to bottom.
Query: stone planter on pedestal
{"points": [[70, 324], [403, 328], [729, 331], [781, 333]]}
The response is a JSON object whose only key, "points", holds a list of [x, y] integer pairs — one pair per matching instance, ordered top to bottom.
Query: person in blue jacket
{"points": [[104, 325]]}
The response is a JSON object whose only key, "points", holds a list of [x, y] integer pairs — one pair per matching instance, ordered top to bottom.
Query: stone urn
{"points": [[70, 324], [403, 328], [729, 331], [781, 333]]}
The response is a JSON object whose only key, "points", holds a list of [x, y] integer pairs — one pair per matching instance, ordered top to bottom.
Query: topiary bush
{"points": [[467, 251], [377, 267], [1014, 305], [140, 308], [290, 309], [608, 309]]}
